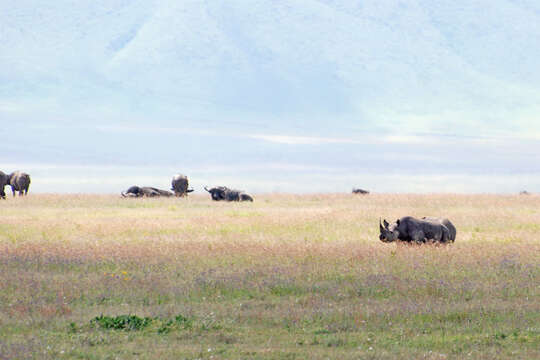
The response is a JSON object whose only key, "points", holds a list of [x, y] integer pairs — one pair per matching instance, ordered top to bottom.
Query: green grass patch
{"points": [[121, 322], [136, 323]]}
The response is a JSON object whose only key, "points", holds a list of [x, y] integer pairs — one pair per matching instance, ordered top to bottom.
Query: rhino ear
{"points": [[397, 222], [385, 223]]}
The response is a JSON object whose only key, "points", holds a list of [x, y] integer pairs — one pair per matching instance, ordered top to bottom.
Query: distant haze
{"points": [[286, 96]]}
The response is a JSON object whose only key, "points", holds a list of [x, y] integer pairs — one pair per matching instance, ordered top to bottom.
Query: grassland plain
{"points": [[292, 277]]}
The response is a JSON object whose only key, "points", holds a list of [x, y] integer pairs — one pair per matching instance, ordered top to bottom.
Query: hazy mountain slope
{"points": [[376, 63]]}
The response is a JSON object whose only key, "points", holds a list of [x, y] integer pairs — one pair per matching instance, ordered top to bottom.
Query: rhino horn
{"points": [[380, 225]]}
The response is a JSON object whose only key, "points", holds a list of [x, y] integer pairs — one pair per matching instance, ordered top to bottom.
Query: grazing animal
{"points": [[4, 180], [19, 181], [180, 185], [146, 191], [360, 191], [524, 192], [219, 193], [444, 221], [410, 229]]}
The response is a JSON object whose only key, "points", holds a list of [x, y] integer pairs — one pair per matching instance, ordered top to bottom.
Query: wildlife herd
{"points": [[180, 188], [407, 229]]}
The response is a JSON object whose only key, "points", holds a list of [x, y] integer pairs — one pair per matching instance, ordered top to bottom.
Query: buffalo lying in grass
{"points": [[146, 191], [360, 191], [220, 193], [409, 229]]}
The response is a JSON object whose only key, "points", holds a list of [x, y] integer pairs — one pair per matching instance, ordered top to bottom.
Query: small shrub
{"points": [[122, 322], [134, 323], [72, 328]]}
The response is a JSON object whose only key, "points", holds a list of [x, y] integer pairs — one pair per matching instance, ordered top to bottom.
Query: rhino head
{"points": [[388, 232]]}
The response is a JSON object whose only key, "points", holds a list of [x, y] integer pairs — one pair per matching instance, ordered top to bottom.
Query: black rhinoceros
{"points": [[410, 229]]}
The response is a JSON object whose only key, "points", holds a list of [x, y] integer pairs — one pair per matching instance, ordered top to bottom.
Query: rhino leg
{"points": [[445, 234], [418, 237]]}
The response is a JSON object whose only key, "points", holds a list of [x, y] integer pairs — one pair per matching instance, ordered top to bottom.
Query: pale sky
{"points": [[289, 96]]}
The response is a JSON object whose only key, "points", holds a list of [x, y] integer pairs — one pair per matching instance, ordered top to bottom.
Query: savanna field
{"points": [[285, 277]]}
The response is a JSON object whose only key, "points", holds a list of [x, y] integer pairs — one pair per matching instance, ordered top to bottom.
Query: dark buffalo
{"points": [[4, 180], [20, 182], [180, 185], [146, 191], [360, 191], [217, 193], [220, 193], [409, 229]]}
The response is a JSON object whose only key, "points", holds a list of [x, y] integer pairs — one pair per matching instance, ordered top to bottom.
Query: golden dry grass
{"points": [[287, 276]]}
